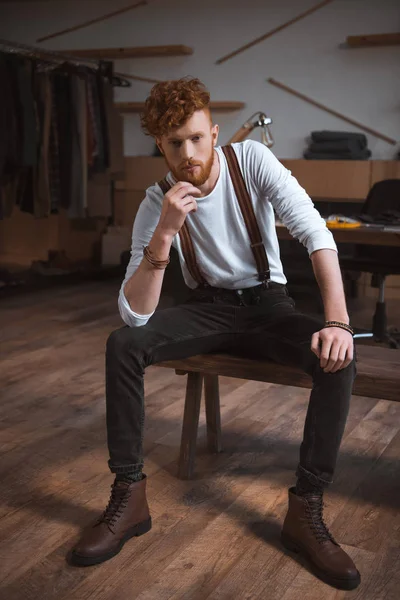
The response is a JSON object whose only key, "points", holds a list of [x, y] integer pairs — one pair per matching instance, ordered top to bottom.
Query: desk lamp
{"points": [[262, 121]]}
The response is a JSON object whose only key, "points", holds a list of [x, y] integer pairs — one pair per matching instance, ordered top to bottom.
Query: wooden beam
{"points": [[120, 11], [273, 31], [380, 39], [134, 52], [135, 107], [331, 111]]}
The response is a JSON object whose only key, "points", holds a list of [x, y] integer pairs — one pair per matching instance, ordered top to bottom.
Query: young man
{"points": [[216, 208]]}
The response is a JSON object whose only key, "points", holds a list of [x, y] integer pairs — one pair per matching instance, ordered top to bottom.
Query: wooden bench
{"points": [[378, 376]]}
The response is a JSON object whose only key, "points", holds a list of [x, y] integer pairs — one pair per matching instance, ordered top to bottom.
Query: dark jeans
{"points": [[258, 322]]}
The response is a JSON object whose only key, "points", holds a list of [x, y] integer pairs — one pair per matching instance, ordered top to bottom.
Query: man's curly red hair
{"points": [[171, 104]]}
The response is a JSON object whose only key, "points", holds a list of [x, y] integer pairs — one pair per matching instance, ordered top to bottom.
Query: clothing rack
{"points": [[53, 56], [61, 133]]}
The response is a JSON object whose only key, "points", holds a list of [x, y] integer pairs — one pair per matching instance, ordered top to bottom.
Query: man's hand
{"points": [[177, 203], [334, 347]]}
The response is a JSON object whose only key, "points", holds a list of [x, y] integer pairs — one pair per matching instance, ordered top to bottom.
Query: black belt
{"points": [[261, 286], [245, 296]]}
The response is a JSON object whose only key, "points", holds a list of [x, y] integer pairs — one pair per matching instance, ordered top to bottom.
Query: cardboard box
{"points": [[141, 172], [333, 179], [126, 205], [115, 241]]}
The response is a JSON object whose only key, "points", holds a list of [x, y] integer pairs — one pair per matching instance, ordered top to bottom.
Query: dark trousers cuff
{"points": [[123, 469], [313, 479]]}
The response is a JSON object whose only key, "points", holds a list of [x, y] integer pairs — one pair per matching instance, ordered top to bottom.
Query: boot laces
{"points": [[118, 501], [315, 507]]}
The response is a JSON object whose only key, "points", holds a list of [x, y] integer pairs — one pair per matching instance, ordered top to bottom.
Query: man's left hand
{"points": [[334, 347]]}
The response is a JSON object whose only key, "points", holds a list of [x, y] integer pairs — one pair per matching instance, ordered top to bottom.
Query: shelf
{"points": [[381, 39], [135, 52], [226, 106], [135, 107]]}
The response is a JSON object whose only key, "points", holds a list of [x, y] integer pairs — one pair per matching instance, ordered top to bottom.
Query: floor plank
{"points": [[215, 537]]}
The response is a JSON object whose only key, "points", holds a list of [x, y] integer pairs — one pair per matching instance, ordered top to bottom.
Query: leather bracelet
{"points": [[149, 254], [158, 264], [154, 265], [340, 325]]}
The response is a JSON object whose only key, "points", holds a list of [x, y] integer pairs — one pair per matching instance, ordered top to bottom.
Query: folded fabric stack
{"points": [[337, 145]]}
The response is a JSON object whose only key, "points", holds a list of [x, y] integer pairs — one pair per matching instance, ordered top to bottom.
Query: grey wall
{"points": [[363, 84]]}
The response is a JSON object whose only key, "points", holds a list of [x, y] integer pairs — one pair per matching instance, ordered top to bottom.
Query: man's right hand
{"points": [[178, 202]]}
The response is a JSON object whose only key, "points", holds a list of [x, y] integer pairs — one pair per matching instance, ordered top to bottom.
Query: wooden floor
{"points": [[215, 537]]}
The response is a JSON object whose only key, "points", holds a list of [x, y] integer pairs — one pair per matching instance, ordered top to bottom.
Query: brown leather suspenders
{"points": [[249, 217]]}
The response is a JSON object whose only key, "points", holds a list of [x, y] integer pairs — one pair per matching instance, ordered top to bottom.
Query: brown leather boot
{"points": [[126, 515], [305, 532]]}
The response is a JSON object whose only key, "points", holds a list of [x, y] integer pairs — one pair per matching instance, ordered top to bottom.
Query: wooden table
{"points": [[360, 235]]}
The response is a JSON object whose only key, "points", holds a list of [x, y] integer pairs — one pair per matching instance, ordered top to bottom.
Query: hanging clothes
{"points": [[63, 117], [29, 130], [115, 133], [10, 138], [61, 141], [54, 154], [78, 190], [99, 197], [42, 198]]}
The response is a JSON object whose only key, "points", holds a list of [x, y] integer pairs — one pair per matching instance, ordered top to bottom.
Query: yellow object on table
{"points": [[341, 222]]}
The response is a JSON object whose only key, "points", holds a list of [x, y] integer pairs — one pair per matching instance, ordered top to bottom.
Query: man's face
{"points": [[189, 149]]}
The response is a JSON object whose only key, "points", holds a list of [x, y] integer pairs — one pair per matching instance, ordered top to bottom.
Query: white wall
{"points": [[363, 84]]}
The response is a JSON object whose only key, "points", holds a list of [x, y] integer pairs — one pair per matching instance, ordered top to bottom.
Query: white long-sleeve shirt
{"points": [[218, 231]]}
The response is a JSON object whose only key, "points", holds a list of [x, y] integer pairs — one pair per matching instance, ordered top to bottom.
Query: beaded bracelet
{"points": [[158, 264], [341, 325]]}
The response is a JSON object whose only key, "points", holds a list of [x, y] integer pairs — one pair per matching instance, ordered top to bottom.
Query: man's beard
{"points": [[199, 176]]}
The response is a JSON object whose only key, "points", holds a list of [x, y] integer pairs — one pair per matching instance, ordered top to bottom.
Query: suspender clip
{"points": [[265, 278]]}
